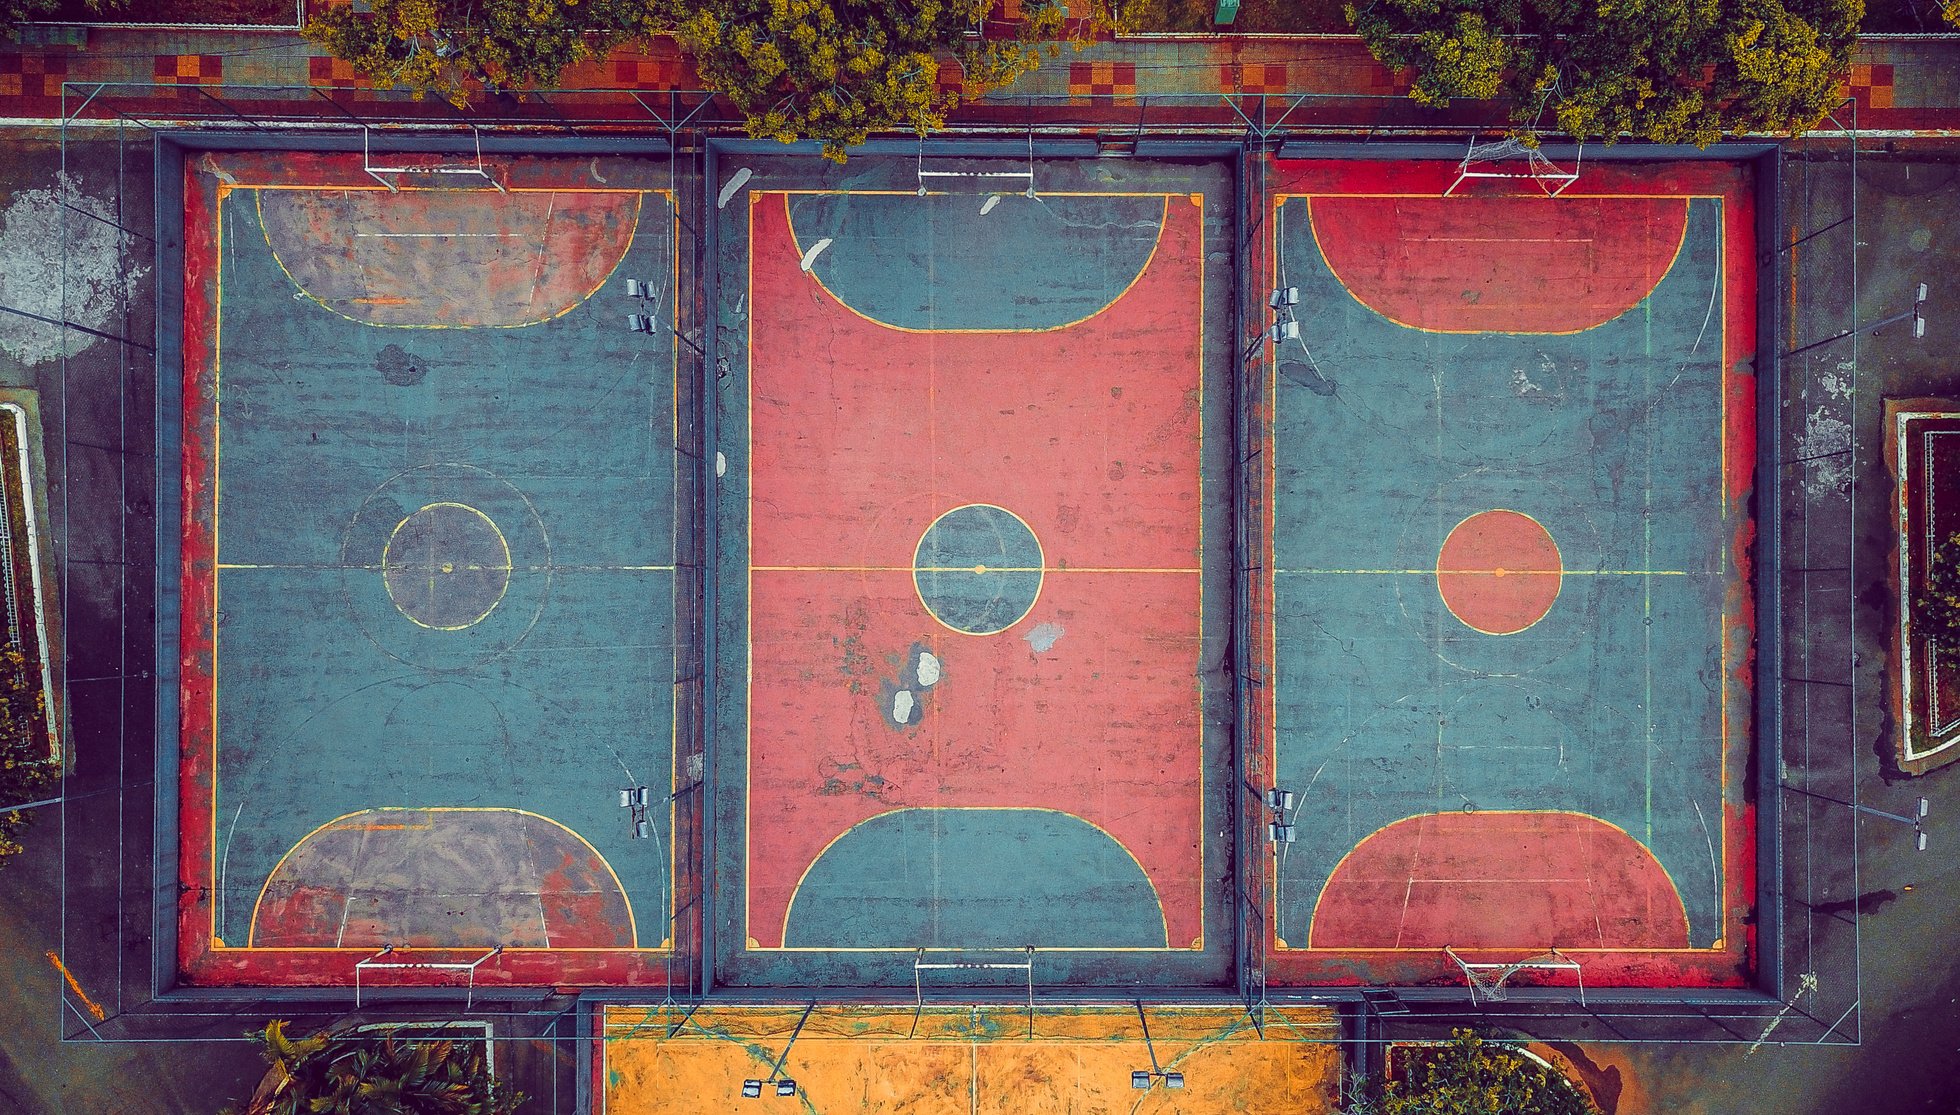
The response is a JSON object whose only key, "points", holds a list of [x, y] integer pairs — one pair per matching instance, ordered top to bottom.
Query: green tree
{"points": [[13, 13], [447, 47], [838, 70], [1673, 71], [1936, 607], [25, 772], [374, 1075], [1472, 1077]]}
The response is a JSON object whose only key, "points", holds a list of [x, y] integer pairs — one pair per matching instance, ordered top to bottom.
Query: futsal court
{"points": [[972, 543], [1028, 582], [427, 583], [1510, 618]]}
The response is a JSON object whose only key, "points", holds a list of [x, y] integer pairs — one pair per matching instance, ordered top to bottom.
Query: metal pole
{"points": [[1919, 328], [1915, 822]]}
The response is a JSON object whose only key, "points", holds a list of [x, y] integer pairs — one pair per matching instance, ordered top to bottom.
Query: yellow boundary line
{"points": [[223, 191], [639, 204], [1163, 222], [1349, 289], [748, 696], [1420, 817], [788, 908], [1724, 910], [631, 924]]}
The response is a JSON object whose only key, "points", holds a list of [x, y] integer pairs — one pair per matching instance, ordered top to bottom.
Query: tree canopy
{"points": [[445, 46], [829, 70], [837, 70], [1672, 71]]}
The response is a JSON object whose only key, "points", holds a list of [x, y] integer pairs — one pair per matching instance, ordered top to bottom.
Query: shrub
{"points": [[1936, 608], [25, 772], [376, 1074], [1469, 1076]]}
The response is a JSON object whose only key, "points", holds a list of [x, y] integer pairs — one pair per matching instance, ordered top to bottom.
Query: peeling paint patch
{"points": [[101, 272], [1826, 444], [1043, 637], [902, 699]]}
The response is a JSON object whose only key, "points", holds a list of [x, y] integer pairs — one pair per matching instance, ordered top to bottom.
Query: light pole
{"points": [[1918, 325], [1917, 821]]}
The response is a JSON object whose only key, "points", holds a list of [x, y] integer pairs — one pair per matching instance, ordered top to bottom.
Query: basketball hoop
{"points": [[1513, 158], [1487, 978]]}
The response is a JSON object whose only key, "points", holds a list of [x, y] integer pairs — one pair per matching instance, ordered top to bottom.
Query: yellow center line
{"points": [[448, 568], [961, 569], [1507, 572]]}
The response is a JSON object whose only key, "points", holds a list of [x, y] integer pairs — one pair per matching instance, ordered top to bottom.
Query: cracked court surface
{"points": [[428, 570], [972, 606]]}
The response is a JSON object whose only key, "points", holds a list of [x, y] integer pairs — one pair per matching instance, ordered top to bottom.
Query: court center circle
{"points": [[446, 566], [978, 569], [1499, 571]]}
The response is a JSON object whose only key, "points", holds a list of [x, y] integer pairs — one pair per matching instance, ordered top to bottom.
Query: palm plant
{"points": [[377, 1074]]}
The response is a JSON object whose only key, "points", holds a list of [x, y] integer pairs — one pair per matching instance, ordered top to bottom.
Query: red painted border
{"points": [[834, 491], [202, 960], [1732, 965]]}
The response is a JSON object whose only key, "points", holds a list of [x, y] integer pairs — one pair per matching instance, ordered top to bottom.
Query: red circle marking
{"points": [[1499, 572]]}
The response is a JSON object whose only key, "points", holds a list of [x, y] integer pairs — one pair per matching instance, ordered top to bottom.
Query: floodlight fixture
{"points": [[635, 289], [1283, 296], [1284, 331], [626, 798], [1280, 800], [1922, 808], [642, 829], [1280, 832], [1921, 843], [1140, 1079], [1173, 1080], [785, 1087], [751, 1089]]}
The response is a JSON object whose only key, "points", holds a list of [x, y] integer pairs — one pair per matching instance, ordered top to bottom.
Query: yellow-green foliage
{"points": [[453, 48], [837, 70], [1672, 71], [1936, 607], [25, 772], [1472, 1077]]}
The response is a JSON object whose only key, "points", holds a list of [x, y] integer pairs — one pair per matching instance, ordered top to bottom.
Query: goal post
{"points": [[1515, 158], [435, 170], [1487, 979]]}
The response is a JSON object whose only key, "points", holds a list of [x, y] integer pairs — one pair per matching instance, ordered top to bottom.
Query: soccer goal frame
{"points": [[1487, 978]]}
